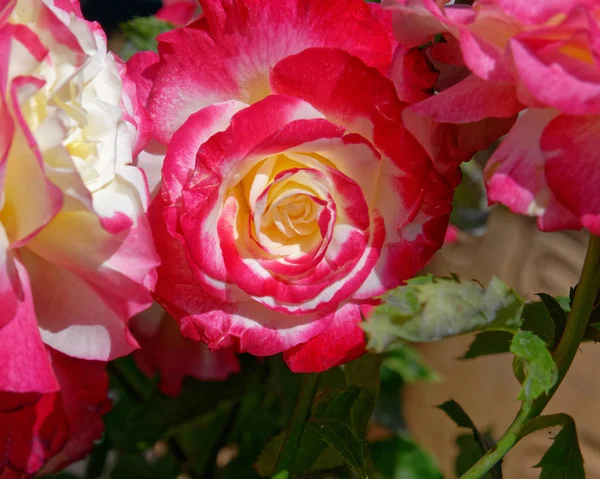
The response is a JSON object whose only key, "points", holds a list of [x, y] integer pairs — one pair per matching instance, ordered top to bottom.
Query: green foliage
{"points": [[141, 33], [470, 210], [428, 308], [557, 314], [536, 318], [489, 342], [407, 362], [540, 370], [462, 419], [339, 435], [469, 452], [468, 455], [400, 458], [563, 459]]}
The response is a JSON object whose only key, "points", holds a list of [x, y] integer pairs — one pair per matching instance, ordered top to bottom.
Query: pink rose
{"points": [[539, 57], [292, 194], [76, 253]]}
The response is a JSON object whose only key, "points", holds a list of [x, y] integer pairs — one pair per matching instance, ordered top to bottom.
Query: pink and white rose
{"points": [[292, 193], [76, 253]]}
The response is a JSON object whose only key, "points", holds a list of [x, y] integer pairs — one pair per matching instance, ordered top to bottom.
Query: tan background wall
{"points": [[531, 262]]}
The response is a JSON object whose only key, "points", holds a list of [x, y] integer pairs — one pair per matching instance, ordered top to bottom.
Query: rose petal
{"points": [[229, 55], [570, 146], [342, 341], [165, 350], [25, 364], [83, 390]]}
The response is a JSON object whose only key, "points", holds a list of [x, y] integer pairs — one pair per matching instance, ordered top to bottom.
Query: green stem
{"points": [[581, 309], [296, 427]]}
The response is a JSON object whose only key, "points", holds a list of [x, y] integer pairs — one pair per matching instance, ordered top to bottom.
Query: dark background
{"points": [[109, 13]]}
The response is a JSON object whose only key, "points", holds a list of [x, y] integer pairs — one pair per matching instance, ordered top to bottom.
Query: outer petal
{"points": [[539, 11], [179, 13], [414, 23], [228, 54], [142, 68], [412, 74], [556, 78], [471, 100], [134, 111], [462, 119], [570, 146], [150, 161], [515, 173], [74, 317], [341, 342], [163, 349], [25, 365], [83, 390], [30, 434]]}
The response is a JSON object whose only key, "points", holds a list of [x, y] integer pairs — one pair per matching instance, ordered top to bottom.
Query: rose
{"points": [[540, 57], [292, 194], [76, 256], [165, 350]]}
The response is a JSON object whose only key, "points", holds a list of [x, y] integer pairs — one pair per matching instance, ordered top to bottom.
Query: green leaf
{"points": [[141, 32], [470, 210], [429, 308], [557, 314], [536, 319], [489, 342], [407, 362], [540, 369], [363, 373], [348, 397], [141, 417], [462, 419], [339, 436], [400, 458], [563, 459]]}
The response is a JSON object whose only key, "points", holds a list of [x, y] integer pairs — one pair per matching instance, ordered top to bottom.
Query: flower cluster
{"points": [[499, 58], [273, 170]]}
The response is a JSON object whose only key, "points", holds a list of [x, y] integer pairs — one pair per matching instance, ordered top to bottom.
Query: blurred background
{"points": [[492, 242]]}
